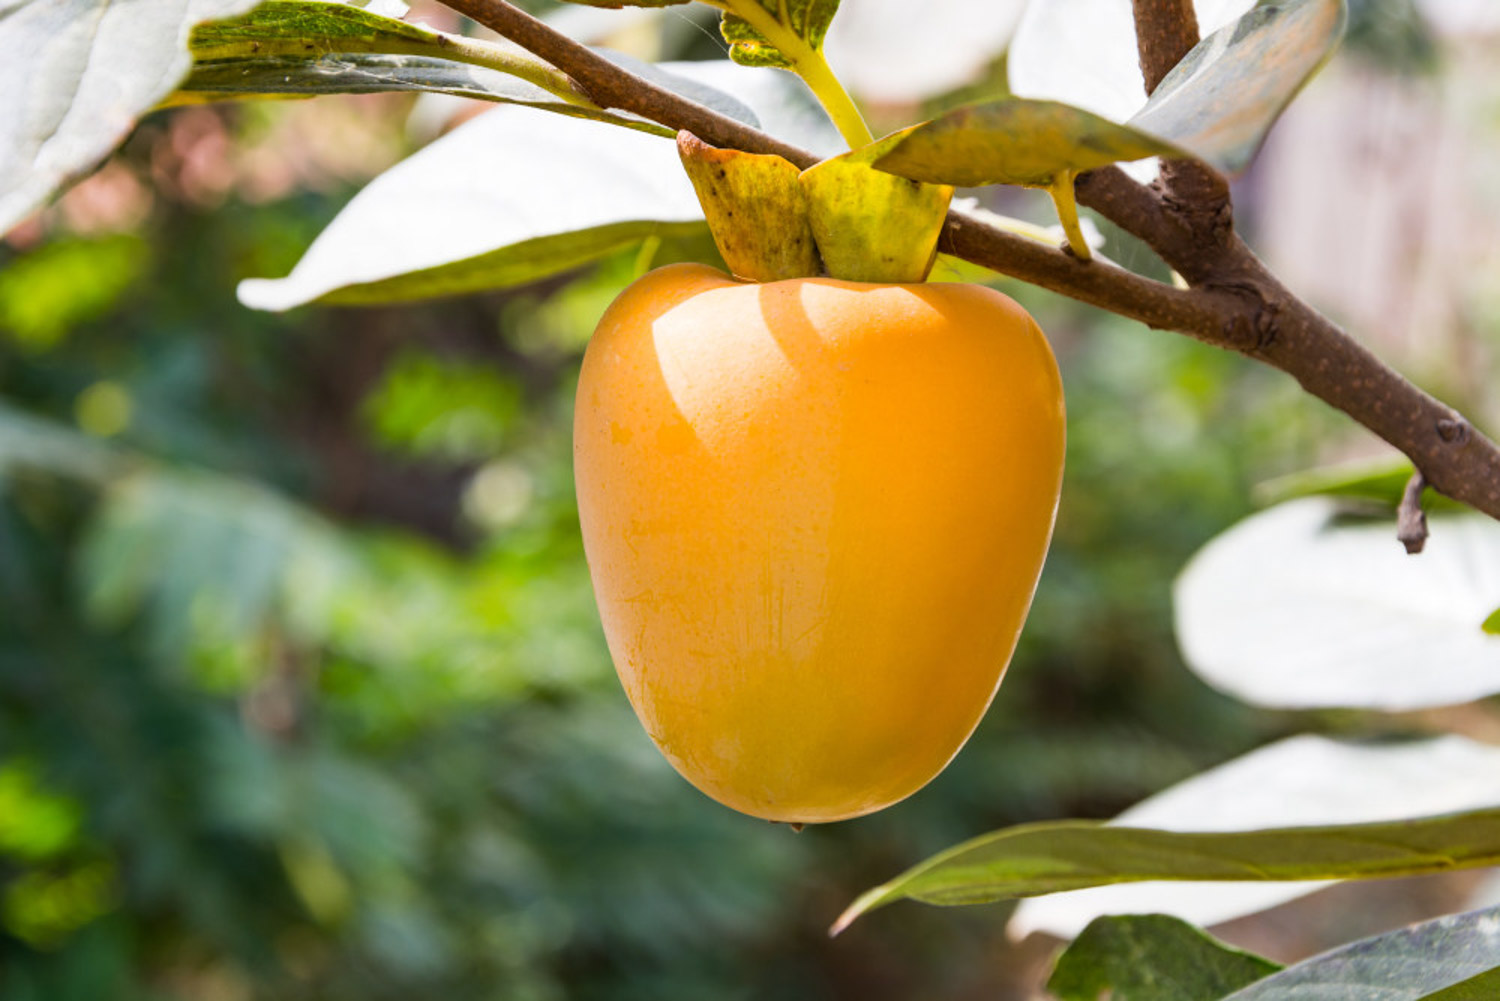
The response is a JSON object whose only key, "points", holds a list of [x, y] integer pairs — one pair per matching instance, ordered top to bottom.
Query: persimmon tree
{"points": [[88, 69]]}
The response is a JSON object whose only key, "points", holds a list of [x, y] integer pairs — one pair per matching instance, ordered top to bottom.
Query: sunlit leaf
{"points": [[803, 22], [303, 48], [76, 74], [1225, 95], [1015, 141], [506, 198], [1298, 607], [1299, 782], [1037, 859], [1152, 957], [1452, 958]]}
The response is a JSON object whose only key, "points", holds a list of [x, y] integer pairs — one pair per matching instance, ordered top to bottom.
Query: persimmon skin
{"points": [[815, 512]]}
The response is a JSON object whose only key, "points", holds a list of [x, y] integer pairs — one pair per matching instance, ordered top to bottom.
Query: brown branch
{"points": [[1165, 30], [1235, 303]]}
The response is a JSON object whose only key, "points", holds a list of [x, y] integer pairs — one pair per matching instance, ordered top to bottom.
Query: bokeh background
{"points": [[302, 692]]}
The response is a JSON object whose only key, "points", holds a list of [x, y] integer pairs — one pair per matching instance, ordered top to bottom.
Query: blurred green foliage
{"points": [[302, 693]]}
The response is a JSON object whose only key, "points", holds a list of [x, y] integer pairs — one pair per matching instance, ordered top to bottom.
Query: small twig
{"points": [[1411, 520]]}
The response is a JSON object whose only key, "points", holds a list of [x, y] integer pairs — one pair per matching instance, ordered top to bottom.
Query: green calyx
{"points": [[840, 217]]}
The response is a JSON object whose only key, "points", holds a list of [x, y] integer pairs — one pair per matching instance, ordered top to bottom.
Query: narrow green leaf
{"points": [[805, 21], [309, 28], [302, 48], [370, 73], [76, 75], [1223, 97], [1016, 141], [1036, 859], [1152, 957], [1452, 958]]}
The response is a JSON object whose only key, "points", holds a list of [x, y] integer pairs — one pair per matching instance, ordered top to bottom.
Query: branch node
{"points": [[1453, 431], [1411, 520]]}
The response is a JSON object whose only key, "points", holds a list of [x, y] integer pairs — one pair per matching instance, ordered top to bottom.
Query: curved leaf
{"points": [[804, 22], [303, 48], [373, 73], [76, 75], [1225, 95], [1015, 141], [506, 198], [1298, 607], [1302, 781], [1215, 845], [1152, 957], [1452, 958]]}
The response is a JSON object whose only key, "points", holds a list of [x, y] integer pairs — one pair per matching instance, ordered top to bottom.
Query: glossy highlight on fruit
{"points": [[815, 512]]}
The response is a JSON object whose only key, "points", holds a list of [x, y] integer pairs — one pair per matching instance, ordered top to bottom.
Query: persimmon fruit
{"points": [[814, 512]]}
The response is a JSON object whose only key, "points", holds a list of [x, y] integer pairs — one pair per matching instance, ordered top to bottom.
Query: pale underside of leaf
{"points": [[76, 75], [1225, 95], [506, 198], [1301, 607], [1452, 958]]}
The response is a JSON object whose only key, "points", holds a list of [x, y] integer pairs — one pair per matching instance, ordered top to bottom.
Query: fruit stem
{"points": [[1061, 190]]}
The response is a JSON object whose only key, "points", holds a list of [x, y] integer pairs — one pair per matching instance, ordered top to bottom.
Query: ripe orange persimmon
{"points": [[814, 512]]}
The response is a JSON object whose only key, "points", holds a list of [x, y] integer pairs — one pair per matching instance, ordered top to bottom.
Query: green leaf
{"points": [[311, 27], [747, 27], [303, 48], [371, 73], [76, 75], [1223, 97], [1015, 141], [467, 213], [1491, 624], [1297, 782], [1036, 859], [1152, 957], [1452, 958], [1480, 987]]}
